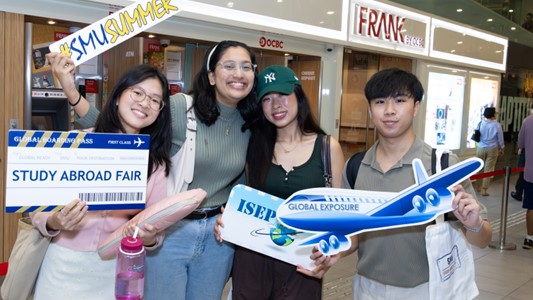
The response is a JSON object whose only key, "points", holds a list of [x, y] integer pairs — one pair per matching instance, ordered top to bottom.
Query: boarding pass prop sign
{"points": [[114, 29], [48, 169], [327, 217]]}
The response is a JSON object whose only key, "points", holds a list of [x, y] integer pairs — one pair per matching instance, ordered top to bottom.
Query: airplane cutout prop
{"points": [[336, 214], [288, 229]]}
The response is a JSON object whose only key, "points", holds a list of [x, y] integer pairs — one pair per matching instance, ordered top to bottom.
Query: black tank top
{"points": [[310, 174]]}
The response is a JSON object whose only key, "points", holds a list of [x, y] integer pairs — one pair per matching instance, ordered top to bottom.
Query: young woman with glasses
{"points": [[72, 268]]}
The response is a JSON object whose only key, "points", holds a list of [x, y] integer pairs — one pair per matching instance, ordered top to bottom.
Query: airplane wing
{"points": [[315, 239], [329, 242], [332, 242]]}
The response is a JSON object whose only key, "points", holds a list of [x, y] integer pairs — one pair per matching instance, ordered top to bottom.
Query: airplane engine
{"points": [[432, 197], [419, 203], [333, 245]]}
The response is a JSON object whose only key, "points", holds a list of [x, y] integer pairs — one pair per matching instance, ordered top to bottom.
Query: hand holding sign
{"points": [[68, 218]]}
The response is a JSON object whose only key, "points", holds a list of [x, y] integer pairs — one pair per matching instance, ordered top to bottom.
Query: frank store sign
{"points": [[385, 26], [115, 29]]}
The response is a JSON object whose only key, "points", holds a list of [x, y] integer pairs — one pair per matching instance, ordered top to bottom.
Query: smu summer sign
{"points": [[114, 29]]}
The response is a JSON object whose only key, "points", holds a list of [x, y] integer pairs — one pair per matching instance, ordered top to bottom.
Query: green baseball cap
{"points": [[278, 79]]}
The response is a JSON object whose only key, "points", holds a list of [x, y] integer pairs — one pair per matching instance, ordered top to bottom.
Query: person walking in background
{"points": [[528, 23], [525, 142], [490, 146], [284, 156], [519, 185], [393, 263], [191, 264], [72, 268]]}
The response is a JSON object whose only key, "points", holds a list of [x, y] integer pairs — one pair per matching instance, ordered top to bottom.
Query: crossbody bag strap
{"points": [[190, 136], [326, 158]]}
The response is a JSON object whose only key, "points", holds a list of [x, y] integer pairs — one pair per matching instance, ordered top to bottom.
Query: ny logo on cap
{"points": [[270, 77]]}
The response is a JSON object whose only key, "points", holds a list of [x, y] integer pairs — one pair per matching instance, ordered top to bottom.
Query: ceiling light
{"points": [[279, 1], [230, 4], [459, 10], [511, 10], [330, 12], [489, 20], [51, 22], [321, 22], [513, 28], [151, 36], [459, 42], [453, 51], [498, 51], [287, 54]]}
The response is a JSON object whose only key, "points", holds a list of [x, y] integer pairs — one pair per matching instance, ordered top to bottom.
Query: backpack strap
{"points": [[444, 160], [444, 163], [352, 167]]}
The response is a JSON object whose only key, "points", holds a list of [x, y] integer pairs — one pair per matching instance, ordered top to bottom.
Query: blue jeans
{"points": [[190, 265]]}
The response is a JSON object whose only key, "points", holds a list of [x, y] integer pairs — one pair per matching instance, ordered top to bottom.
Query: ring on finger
{"points": [[63, 212]]}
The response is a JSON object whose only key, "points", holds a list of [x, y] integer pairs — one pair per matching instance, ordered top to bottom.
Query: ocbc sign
{"points": [[264, 42]]}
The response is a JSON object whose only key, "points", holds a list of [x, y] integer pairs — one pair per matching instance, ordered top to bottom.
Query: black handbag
{"points": [[476, 136]]}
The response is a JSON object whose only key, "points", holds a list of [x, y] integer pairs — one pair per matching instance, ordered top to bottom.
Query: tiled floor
{"points": [[500, 274]]}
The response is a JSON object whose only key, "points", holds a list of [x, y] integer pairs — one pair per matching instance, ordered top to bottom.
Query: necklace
{"points": [[229, 120], [285, 150]]}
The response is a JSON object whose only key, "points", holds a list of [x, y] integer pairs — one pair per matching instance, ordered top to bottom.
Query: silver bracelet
{"points": [[475, 229]]}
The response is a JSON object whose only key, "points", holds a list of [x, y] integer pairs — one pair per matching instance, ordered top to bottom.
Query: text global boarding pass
{"points": [[48, 169]]}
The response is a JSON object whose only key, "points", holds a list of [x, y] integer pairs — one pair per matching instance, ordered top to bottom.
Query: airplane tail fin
{"points": [[420, 173]]}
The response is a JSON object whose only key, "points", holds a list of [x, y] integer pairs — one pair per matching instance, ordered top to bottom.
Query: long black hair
{"points": [[205, 104], [160, 131], [264, 135]]}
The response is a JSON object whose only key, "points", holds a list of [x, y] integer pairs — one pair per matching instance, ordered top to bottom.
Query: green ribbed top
{"points": [[220, 148]]}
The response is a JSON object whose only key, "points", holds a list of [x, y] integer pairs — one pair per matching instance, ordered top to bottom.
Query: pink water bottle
{"points": [[129, 281]]}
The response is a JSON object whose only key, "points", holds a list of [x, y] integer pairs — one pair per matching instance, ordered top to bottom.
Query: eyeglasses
{"points": [[231, 67], [139, 95]]}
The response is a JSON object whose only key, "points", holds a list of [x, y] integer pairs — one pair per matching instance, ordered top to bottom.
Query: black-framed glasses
{"points": [[231, 66], [139, 95]]}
